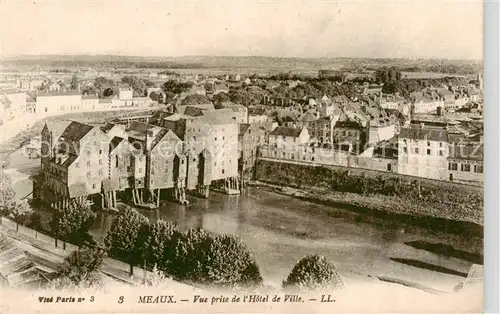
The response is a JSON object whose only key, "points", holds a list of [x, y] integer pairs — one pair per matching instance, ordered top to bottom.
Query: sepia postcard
{"points": [[241, 156]]}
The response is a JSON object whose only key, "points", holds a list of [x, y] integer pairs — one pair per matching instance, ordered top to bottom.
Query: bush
{"points": [[73, 223], [121, 238], [155, 243], [188, 254], [222, 260], [229, 262], [81, 269], [313, 272]]}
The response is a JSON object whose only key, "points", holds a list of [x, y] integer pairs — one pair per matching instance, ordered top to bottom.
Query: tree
{"points": [[74, 83], [138, 85], [176, 87], [220, 98], [195, 99], [7, 194], [21, 213], [73, 223], [121, 238], [155, 242], [188, 254], [214, 260], [230, 263], [81, 269], [313, 272]]}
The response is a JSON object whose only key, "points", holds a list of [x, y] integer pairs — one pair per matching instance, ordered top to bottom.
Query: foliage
{"points": [[74, 83], [139, 85], [102, 86], [176, 87], [250, 95], [158, 97], [220, 98], [195, 99], [7, 194], [438, 198], [22, 212], [73, 222], [121, 238], [155, 243], [188, 255], [217, 260], [229, 262], [81, 268], [313, 272], [157, 279]]}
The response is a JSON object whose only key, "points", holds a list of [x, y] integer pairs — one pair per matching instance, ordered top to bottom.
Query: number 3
{"points": [[120, 299]]}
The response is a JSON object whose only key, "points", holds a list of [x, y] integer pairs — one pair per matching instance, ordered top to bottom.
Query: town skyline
{"points": [[317, 29]]}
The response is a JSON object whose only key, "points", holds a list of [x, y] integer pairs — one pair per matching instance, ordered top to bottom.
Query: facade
{"points": [[55, 102], [90, 102], [349, 136], [250, 138], [287, 142], [423, 152], [466, 160], [74, 167]]}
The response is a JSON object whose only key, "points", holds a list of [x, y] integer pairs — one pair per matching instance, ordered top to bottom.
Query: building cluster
{"points": [[17, 103], [437, 135], [192, 149]]}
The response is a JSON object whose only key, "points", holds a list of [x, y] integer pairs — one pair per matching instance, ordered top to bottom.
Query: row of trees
{"points": [[194, 255], [201, 257]]}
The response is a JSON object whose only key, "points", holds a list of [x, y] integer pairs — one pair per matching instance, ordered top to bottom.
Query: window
{"points": [[215, 139], [428, 143], [440, 144], [405, 150], [416, 150], [100, 151], [428, 152], [116, 161], [182, 162], [88, 163], [77, 165], [453, 166], [465, 167], [478, 168], [222, 171], [88, 174], [93, 185]]}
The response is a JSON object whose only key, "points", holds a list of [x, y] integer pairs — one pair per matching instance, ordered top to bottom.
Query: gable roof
{"points": [[57, 127], [75, 131]]}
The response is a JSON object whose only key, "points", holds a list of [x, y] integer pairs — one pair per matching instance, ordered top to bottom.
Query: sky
{"points": [[349, 28]]}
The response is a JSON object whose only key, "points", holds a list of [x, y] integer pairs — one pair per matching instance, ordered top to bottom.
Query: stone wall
{"points": [[401, 194]]}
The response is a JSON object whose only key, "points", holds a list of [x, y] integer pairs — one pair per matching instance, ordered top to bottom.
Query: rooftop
{"points": [[75, 131], [286, 131]]}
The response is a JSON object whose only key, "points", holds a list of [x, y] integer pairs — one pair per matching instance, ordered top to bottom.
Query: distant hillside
{"points": [[250, 62]]}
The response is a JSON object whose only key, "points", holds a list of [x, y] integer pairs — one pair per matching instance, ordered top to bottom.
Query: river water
{"points": [[280, 230]]}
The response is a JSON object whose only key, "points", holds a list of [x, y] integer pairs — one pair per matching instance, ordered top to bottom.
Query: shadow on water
{"points": [[446, 250], [427, 266]]}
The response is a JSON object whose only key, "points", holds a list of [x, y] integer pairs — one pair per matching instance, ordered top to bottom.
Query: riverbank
{"points": [[381, 211]]}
